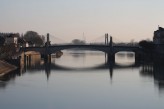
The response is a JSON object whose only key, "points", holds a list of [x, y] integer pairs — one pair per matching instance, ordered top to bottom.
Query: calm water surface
{"points": [[84, 80]]}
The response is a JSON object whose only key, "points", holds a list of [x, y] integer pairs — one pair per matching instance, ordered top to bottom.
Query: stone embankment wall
{"points": [[5, 68]]}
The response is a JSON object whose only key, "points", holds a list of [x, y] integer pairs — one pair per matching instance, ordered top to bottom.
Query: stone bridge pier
{"points": [[111, 53], [46, 55], [110, 57]]}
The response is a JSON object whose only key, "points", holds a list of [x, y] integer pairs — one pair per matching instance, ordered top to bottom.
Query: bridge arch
{"points": [[54, 49], [127, 51]]}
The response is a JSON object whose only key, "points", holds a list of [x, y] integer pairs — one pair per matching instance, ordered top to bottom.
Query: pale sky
{"points": [[68, 19]]}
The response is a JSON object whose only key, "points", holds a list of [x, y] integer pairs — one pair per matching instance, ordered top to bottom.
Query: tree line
{"points": [[30, 37], [34, 38]]}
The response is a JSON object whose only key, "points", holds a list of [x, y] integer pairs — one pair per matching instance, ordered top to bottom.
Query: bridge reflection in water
{"points": [[48, 67], [147, 69]]}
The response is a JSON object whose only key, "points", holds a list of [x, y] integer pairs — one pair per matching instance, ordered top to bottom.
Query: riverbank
{"points": [[6, 68]]}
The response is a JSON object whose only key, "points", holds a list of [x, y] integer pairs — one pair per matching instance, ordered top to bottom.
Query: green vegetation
{"points": [[34, 38], [77, 41], [7, 50]]}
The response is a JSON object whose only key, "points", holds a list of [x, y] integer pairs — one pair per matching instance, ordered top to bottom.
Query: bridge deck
{"points": [[103, 48]]}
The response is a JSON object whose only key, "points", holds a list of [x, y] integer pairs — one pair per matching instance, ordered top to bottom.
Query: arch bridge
{"points": [[104, 48], [107, 48]]}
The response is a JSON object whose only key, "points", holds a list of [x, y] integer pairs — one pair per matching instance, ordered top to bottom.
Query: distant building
{"points": [[159, 36], [12, 39]]}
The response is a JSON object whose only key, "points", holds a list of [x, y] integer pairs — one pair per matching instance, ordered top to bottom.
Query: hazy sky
{"points": [[68, 19]]}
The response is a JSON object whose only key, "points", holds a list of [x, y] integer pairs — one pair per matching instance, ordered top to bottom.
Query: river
{"points": [[84, 80]]}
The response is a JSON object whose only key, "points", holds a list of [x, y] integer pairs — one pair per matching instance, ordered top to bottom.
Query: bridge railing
{"points": [[114, 44], [126, 44]]}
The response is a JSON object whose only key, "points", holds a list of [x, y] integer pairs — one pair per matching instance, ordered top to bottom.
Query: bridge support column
{"points": [[106, 39], [48, 42], [111, 42], [111, 53], [47, 58], [111, 58], [47, 69], [111, 69]]}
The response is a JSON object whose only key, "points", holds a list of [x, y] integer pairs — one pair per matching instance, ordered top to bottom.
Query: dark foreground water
{"points": [[84, 80]]}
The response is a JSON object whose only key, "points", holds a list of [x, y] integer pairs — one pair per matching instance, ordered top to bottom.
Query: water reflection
{"points": [[125, 54], [77, 55], [125, 58], [35, 63], [154, 70], [9, 78]]}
